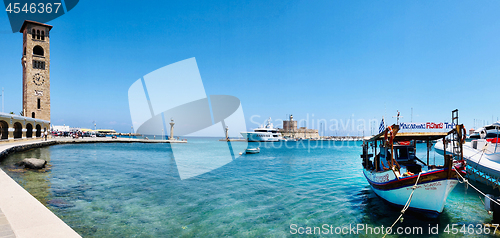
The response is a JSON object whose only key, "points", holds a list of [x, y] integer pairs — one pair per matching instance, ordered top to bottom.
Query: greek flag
{"points": [[381, 128]]}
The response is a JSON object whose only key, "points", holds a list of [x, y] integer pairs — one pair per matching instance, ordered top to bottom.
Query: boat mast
{"points": [[398, 116], [411, 121]]}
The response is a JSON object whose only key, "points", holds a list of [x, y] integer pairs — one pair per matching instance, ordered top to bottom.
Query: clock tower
{"points": [[36, 69]]}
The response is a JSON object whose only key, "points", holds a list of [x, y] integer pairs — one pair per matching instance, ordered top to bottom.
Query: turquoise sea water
{"points": [[134, 190]]}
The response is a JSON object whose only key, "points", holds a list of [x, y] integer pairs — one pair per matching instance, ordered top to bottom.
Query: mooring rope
{"points": [[485, 147], [482, 150], [468, 183], [481, 200], [407, 205]]}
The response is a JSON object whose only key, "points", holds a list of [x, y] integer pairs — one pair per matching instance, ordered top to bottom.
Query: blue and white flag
{"points": [[381, 128]]}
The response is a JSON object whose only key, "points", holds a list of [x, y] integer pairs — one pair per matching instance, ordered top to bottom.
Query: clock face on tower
{"points": [[38, 79]]}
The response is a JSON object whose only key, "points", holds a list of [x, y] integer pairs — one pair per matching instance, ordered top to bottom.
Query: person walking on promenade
{"points": [[45, 135]]}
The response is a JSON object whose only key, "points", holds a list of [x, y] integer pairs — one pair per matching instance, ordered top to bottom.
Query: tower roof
{"points": [[35, 23]]}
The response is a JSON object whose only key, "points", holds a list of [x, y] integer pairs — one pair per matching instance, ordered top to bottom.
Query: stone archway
{"points": [[4, 130], [18, 130], [29, 130], [38, 131]]}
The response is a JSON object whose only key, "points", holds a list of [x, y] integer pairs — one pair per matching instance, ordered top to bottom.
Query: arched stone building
{"points": [[13, 127]]}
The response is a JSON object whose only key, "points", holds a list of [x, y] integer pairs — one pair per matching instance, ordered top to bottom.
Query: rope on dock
{"points": [[469, 184], [407, 205]]}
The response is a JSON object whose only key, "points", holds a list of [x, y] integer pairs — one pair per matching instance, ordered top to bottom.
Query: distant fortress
{"points": [[290, 130]]}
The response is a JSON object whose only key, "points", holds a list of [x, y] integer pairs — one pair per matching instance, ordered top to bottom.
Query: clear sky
{"points": [[332, 59]]}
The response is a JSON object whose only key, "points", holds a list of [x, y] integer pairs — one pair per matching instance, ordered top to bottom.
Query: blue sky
{"points": [[332, 59]]}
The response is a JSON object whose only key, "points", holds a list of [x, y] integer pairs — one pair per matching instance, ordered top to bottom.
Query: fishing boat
{"points": [[252, 150], [399, 177]]}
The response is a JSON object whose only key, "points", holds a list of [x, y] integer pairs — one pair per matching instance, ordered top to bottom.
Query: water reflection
{"points": [[36, 182], [124, 190]]}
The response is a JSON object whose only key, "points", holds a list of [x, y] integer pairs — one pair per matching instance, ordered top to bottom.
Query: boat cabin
{"points": [[403, 147]]}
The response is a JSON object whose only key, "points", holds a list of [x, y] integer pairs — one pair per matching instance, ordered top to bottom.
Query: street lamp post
{"points": [[2, 100]]}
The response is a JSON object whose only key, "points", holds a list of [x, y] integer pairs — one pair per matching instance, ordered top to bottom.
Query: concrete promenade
{"points": [[21, 214]]}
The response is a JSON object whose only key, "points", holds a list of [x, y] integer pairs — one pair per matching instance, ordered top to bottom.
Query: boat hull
{"points": [[260, 137], [439, 147], [252, 151], [485, 162], [430, 194]]}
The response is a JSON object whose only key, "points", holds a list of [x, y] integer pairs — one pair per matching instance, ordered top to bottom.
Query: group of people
{"points": [[73, 134]]}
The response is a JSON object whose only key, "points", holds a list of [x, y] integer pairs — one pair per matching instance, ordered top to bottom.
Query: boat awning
{"points": [[405, 136]]}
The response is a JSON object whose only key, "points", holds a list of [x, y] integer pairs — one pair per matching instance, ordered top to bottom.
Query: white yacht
{"points": [[487, 132], [263, 134], [485, 138], [482, 154]]}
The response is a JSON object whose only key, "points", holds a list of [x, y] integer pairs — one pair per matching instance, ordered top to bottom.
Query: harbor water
{"points": [[134, 190]]}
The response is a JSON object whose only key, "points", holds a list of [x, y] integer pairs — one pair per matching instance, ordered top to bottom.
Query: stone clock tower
{"points": [[36, 70]]}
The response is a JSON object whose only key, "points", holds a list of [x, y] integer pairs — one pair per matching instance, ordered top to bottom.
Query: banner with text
{"points": [[426, 125]]}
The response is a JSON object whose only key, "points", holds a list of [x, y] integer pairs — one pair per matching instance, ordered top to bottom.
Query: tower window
{"points": [[33, 34], [38, 34], [43, 35], [38, 50], [24, 52], [38, 64], [38, 103], [33, 115]]}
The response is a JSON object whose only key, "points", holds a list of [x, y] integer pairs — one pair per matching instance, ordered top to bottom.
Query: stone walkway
{"points": [[21, 214], [5, 229]]}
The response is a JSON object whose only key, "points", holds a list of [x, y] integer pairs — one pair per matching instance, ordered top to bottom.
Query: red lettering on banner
{"points": [[432, 125]]}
